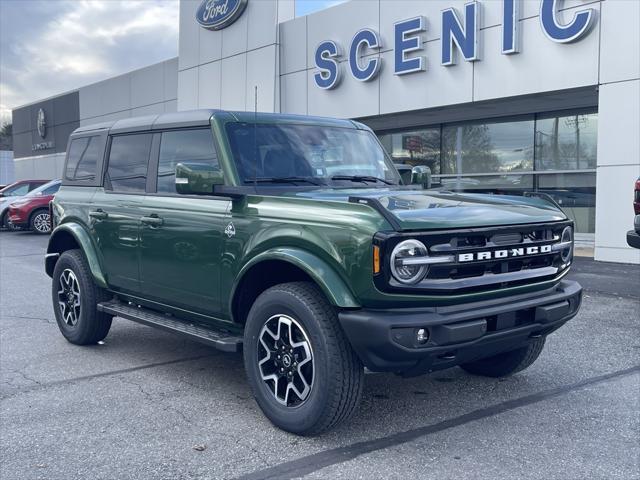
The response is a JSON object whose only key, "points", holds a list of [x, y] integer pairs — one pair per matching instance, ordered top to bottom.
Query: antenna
{"points": [[255, 137]]}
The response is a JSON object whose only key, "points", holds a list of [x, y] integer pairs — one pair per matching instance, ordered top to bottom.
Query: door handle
{"points": [[98, 214], [152, 220]]}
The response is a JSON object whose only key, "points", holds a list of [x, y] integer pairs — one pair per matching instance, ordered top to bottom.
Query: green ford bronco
{"points": [[295, 240]]}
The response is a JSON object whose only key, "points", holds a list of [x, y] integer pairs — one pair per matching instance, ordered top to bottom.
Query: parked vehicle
{"points": [[20, 188], [10, 193], [31, 212], [633, 236], [294, 240]]}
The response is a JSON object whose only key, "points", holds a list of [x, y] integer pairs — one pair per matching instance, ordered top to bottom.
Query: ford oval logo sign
{"points": [[218, 14]]}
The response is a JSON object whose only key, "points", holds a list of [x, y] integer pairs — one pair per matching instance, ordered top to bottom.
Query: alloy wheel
{"points": [[41, 222], [69, 297], [286, 360]]}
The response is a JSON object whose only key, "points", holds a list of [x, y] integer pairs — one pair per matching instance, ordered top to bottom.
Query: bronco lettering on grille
{"points": [[508, 253]]}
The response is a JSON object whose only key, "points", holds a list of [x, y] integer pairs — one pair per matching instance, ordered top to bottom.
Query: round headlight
{"points": [[567, 237], [401, 266]]}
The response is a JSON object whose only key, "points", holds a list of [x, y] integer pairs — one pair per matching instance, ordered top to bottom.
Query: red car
{"points": [[20, 188], [11, 193], [31, 212], [633, 236]]}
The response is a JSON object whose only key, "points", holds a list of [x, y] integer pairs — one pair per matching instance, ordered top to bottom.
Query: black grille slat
{"points": [[463, 246], [461, 276]]}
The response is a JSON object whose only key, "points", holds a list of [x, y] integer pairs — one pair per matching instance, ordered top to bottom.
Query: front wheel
{"points": [[40, 221], [6, 224], [75, 299], [507, 363], [302, 370]]}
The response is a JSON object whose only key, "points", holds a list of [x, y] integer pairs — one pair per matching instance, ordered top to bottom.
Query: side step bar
{"points": [[227, 342]]}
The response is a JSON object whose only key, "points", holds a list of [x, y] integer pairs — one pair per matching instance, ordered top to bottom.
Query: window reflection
{"points": [[566, 143], [183, 146], [416, 147], [488, 147], [502, 157], [128, 162], [502, 184], [576, 194]]}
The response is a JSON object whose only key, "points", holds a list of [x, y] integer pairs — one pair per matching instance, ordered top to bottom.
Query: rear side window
{"points": [[183, 146], [82, 162], [128, 163], [52, 190]]}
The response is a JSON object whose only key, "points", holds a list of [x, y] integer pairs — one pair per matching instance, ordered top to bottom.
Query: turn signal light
{"points": [[376, 259]]}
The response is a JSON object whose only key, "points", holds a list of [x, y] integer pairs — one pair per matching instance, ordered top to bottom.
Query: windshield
{"points": [[309, 154], [46, 189]]}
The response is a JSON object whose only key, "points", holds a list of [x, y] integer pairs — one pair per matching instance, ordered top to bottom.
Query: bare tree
{"points": [[6, 137]]}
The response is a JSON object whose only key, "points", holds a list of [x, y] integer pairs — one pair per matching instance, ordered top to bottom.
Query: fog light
{"points": [[422, 335]]}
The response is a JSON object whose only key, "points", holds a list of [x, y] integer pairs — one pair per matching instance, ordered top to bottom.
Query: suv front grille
{"points": [[474, 266]]}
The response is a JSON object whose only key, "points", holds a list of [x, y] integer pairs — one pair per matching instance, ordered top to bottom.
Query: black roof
{"points": [[189, 118], [197, 118]]}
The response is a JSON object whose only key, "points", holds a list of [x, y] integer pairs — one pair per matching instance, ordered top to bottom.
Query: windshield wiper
{"points": [[362, 178], [282, 180]]}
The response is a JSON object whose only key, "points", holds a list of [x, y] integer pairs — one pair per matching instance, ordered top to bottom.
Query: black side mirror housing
{"points": [[421, 175]]}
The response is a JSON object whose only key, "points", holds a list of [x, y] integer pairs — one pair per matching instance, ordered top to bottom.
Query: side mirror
{"points": [[405, 172], [421, 175], [193, 178]]}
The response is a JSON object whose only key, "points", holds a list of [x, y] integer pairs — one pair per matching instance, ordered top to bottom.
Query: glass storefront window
{"points": [[566, 143], [418, 147], [488, 147], [511, 157], [501, 184], [576, 194]]}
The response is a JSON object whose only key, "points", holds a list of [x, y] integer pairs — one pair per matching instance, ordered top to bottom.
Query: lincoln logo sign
{"points": [[218, 14], [460, 35], [41, 123], [41, 126], [512, 252]]}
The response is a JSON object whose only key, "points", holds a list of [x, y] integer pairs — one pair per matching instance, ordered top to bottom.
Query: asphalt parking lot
{"points": [[146, 404]]}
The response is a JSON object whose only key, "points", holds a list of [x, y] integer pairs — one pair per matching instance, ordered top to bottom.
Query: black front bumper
{"points": [[633, 239], [385, 340]]}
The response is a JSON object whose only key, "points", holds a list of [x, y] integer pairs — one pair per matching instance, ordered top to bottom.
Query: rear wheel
{"points": [[40, 221], [75, 298], [507, 363], [301, 368]]}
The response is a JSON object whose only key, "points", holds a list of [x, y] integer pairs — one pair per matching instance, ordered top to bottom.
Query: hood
{"points": [[6, 201], [428, 209]]}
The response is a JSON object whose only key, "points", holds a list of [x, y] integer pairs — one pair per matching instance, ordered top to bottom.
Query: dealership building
{"points": [[500, 96]]}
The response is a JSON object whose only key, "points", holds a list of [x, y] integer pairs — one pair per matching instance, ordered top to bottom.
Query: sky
{"points": [[48, 47]]}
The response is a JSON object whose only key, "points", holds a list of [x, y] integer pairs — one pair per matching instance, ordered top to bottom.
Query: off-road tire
{"points": [[34, 218], [91, 325], [507, 363], [338, 373]]}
